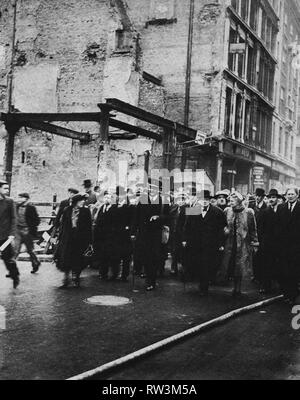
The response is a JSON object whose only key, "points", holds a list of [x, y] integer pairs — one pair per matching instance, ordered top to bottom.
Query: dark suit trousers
{"points": [[23, 236], [8, 257]]}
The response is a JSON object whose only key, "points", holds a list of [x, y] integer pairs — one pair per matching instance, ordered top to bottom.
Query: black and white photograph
{"points": [[149, 193]]}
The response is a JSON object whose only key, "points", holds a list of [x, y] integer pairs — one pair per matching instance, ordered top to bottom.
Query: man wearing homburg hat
{"points": [[8, 231], [204, 238], [269, 243]]}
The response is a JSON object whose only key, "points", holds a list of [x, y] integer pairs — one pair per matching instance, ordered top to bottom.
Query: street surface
{"points": [[54, 334], [257, 346]]}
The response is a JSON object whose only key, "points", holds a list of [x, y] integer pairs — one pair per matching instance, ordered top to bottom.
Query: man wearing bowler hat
{"points": [[92, 199], [204, 238], [269, 243]]}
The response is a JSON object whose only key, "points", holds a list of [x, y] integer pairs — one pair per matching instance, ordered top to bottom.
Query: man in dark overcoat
{"points": [[259, 209], [151, 216], [125, 218], [177, 222], [8, 231], [105, 238], [204, 238], [269, 243], [289, 271]]}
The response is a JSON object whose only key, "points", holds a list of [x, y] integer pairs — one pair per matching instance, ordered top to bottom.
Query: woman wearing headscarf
{"points": [[74, 240], [241, 241]]}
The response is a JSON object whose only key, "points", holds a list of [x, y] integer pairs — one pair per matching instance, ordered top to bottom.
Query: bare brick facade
{"points": [[176, 58]]}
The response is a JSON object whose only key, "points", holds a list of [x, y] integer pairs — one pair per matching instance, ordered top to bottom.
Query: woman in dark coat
{"points": [[74, 239]]}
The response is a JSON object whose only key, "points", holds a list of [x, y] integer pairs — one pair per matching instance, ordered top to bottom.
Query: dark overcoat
{"points": [[125, 217], [149, 233], [106, 234], [204, 237], [290, 242], [72, 243], [270, 244], [258, 258]]}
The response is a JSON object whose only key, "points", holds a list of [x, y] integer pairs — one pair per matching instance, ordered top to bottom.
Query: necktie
{"points": [[205, 209]]}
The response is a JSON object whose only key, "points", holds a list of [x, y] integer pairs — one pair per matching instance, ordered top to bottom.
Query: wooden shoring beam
{"points": [[146, 116], [19, 117], [135, 129], [58, 130]]}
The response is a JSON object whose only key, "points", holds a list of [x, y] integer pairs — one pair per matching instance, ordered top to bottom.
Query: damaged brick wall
{"points": [[164, 47], [62, 53], [67, 60]]}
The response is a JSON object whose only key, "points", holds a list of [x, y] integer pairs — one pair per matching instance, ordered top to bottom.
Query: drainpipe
{"points": [[13, 51], [188, 73], [11, 129]]}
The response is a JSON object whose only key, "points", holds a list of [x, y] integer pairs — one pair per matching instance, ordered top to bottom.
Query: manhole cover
{"points": [[108, 301]]}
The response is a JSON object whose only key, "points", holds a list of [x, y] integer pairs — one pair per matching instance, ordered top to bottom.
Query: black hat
{"points": [[87, 183], [73, 191], [260, 192], [273, 192], [205, 194], [25, 195], [79, 197]]}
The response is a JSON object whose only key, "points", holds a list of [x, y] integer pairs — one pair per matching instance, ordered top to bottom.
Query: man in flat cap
{"points": [[27, 223], [8, 231]]}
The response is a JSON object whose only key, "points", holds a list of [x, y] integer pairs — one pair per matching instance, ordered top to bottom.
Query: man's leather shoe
{"points": [[36, 268], [16, 282]]}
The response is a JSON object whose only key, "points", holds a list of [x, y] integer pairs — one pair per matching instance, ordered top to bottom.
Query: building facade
{"points": [[286, 96]]}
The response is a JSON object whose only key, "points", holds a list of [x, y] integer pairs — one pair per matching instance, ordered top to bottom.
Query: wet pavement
{"points": [[55, 334], [257, 346]]}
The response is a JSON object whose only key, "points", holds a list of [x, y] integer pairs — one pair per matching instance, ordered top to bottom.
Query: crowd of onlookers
{"points": [[210, 239]]}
